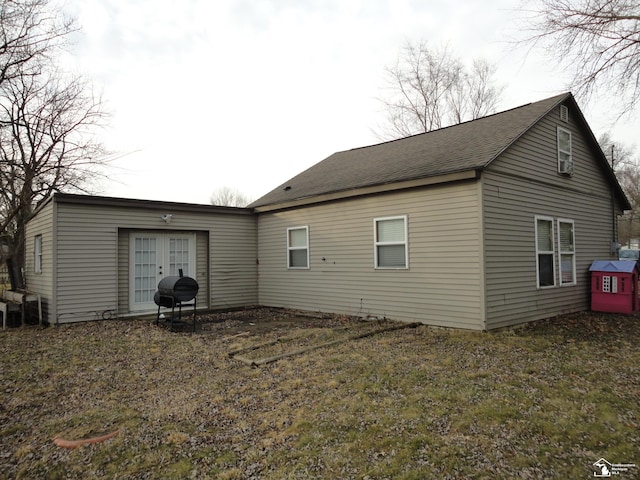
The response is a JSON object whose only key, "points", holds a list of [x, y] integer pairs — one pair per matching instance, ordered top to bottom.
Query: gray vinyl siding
{"points": [[521, 184], [471, 243], [233, 262], [86, 265], [202, 268], [123, 270], [92, 275], [41, 283], [442, 285]]}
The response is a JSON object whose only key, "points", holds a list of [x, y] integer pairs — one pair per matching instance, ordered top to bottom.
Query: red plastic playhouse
{"points": [[614, 286]]}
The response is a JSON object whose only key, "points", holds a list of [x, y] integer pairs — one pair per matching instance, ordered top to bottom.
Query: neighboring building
{"points": [[481, 225]]}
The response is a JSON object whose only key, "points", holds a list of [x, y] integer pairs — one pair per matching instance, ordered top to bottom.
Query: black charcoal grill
{"points": [[176, 291]]}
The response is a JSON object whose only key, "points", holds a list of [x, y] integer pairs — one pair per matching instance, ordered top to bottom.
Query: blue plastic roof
{"points": [[614, 266]]}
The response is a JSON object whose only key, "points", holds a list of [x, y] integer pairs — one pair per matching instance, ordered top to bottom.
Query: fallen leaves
{"points": [[538, 401]]}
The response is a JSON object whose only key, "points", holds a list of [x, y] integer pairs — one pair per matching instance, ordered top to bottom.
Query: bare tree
{"points": [[30, 33], [598, 41], [428, 88], [47, 119], [619, 156], [627, 169], [229, 197], [628, 227]]}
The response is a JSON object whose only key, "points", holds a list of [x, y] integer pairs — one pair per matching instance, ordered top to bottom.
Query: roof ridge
{"points": [[453, 125], [470, 145]]}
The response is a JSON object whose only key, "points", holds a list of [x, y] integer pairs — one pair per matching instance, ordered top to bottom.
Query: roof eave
{"points": [[470, 174], [72, 198]]}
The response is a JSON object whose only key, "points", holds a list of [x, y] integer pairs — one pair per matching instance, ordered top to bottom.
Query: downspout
{"points": [[615, 246], [483, 258], [53, 304]]}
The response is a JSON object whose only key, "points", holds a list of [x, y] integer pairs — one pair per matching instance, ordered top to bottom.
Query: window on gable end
{"points": [[565, 157], [298, 247]]}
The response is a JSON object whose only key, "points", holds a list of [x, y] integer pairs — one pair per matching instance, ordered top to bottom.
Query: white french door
{"points": [[154, 256]]}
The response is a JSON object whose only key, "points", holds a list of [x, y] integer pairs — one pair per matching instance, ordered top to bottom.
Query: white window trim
{"points": [[568, 171], [376, 244], [290, 248], [545, 252], [572, 253], [37, 254]]}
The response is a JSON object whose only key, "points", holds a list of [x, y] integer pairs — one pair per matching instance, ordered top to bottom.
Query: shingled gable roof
{"points": [[466, 147]]}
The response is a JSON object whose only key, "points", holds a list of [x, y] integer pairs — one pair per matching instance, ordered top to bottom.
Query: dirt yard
{"points": [[345, 399]]}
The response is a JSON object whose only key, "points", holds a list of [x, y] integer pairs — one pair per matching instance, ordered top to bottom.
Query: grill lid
{"points": [[183, 289]]}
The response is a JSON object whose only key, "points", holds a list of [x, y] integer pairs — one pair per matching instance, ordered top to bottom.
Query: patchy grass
{"points": [[312, 338], [545, 401]]}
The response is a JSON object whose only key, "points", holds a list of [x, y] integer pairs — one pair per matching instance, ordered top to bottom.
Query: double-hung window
{"points": [[565, 157], [390, 238], [555, 239], [298, 247], [567, 252], [37, 254], [545, 256]]}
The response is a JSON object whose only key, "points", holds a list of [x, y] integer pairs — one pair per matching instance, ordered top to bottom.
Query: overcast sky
{"points": [[248, 93]]}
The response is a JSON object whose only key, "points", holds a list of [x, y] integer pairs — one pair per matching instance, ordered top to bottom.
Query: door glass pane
{"points": [[154, 256], [179, 256], [145, 269]]}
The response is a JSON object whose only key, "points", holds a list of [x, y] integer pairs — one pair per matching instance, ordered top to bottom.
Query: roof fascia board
{"points": [[604, 162], [375, 189], [44, 202], [148, 204]]}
